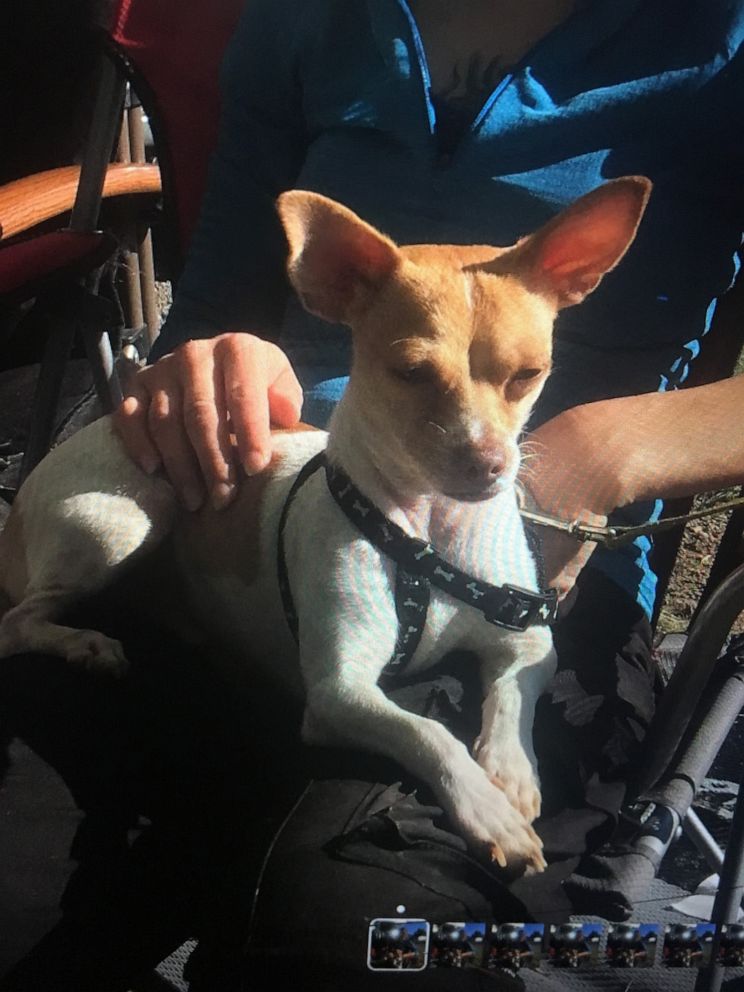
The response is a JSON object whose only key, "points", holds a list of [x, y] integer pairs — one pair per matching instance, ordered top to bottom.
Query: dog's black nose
{"points": [[484, 465]]}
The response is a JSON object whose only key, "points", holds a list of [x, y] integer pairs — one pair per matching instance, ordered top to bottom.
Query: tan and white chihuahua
{"points": [[452, 346]]}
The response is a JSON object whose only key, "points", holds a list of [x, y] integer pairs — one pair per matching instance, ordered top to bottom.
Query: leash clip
{"points": [[585, 532]]}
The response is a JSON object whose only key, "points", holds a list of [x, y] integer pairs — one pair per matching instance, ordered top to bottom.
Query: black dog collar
{"points": [[419, 567], [505, 606]]}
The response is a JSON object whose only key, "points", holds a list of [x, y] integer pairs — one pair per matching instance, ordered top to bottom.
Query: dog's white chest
{"points": [[487, 543], [344, 587]]}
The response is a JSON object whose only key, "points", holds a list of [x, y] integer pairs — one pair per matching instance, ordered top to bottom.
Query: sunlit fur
{"points": [[470, 333]]}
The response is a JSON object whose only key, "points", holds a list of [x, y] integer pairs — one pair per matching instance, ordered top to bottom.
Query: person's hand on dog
{"points": [[182, 413]]}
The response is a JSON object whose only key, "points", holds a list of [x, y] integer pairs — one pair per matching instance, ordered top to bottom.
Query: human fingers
{"points": [[250, 368], [285, 396], [167, 404], [179, 413], [205, 418], [130, 422], [166, 428]]}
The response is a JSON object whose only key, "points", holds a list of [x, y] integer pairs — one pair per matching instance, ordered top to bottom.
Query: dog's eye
{"points": [[414, 374], [524, 375], [523, 383]]}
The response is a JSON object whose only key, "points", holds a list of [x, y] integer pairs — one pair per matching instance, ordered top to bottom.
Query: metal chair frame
{"points": [[72, 306], [685, 737]]}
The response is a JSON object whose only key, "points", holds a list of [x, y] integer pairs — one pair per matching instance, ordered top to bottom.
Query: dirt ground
{"points": [[698, 549]]}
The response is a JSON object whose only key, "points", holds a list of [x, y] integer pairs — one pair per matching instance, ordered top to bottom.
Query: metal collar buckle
{"points": [[521, 608]]}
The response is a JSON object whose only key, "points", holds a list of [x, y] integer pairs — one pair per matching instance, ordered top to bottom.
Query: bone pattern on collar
{"points": [[505, 606]]}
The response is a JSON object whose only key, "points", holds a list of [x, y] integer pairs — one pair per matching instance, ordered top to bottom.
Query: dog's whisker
{"points": [[438, 426], [532, 442], [529, 444]]}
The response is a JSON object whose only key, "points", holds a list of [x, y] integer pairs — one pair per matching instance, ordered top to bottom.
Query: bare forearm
{"points": [[681, 443], [604, 455], [589, 460]]}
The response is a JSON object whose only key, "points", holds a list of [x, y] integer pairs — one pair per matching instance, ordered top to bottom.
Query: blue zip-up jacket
{"points": [[333, 96]]}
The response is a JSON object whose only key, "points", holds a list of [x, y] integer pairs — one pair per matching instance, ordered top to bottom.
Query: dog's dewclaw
{"points": [[498, 782], [534, 836], [498, 855], [540, 858], [539, 862], [536, 864]]}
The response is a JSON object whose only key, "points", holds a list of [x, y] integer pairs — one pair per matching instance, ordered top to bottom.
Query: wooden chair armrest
{"points": [[32, 200]]}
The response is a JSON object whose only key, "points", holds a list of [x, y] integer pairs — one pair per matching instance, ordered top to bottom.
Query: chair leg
{"points": [[105, 123], [139, 267], [149, 299], [77, 310], [101, 357], [46, 397], [689, 679], [694, 829], [729, 895]]}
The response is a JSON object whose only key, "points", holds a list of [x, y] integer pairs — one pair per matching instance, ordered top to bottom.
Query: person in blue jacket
{"points": [[469, 122], [436, 124]]}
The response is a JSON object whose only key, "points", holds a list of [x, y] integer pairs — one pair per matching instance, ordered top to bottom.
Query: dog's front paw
{"points": [[95, 651], [511, 770], [490, 821]]}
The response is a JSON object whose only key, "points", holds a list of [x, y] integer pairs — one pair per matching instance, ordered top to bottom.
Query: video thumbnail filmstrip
{"points": [[398, 944], [412, 944], [457, 945], [515, 945], [574, 945], [632, 945], [688, 945], [731, 946]]}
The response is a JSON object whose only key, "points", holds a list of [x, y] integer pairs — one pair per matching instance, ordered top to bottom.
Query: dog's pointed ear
{"points": [[567, 257], [336, 261]]}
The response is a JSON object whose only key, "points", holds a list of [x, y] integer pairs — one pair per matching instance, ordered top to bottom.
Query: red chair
{"points": [[170, 52], [52, 272]]}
